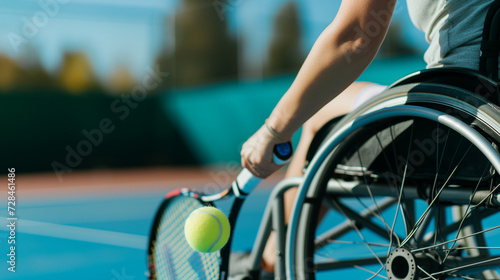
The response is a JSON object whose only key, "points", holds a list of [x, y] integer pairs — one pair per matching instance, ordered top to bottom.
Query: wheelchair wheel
{"points": [[415, 189]]}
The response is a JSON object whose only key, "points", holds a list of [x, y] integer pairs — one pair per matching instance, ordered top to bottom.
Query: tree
{"points": [[204, 51], [285, 52], [26, 72], [9, 73], [76, 74], [121, 81]]}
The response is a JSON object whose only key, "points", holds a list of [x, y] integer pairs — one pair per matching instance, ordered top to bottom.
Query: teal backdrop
{"points": [[216, 120], [197, 126]]}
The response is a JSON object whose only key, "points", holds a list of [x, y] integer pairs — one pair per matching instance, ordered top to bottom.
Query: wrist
{"points": [[278, 129], [272, 132]]}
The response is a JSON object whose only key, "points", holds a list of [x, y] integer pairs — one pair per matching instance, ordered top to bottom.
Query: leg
{"points": [[339, 106]]}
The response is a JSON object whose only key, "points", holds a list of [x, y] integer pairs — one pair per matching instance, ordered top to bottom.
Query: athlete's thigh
{"points": [[350, 98]]}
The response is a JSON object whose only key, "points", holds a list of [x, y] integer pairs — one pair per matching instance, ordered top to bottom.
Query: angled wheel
{"points": [[404, 193]]}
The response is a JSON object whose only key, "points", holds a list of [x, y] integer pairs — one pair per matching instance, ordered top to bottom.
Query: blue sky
{"points": [[111, 32], [130, 33]]}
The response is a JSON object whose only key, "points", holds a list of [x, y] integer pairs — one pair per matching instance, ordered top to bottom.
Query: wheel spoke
{"points": [[386, 158], [401, 188], [374, 201], [433, 201], [408, 210], [426, 214], [466, 214], [353, 216], [409, 221], [345, 227], [422, 229], [360, 235], [454, 240], [357, 243], [471, 247], [351, 263], [470, 266], [425, 272], [375, 274], [464, 277]]}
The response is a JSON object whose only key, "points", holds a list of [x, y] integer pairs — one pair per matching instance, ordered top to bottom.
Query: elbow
{"points": [[357, 44], [360, 48]]}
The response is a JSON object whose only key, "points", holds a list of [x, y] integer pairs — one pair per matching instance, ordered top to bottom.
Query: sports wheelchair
{"points": [[413, 176]]}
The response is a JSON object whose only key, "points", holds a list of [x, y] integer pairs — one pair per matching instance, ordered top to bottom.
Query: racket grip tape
{"points": [[246, 182]]}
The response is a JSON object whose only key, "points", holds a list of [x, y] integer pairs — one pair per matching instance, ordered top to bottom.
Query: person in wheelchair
{"points": [[325, 86]]}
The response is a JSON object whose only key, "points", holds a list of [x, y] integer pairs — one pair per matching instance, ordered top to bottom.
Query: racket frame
{"points": [[247, 182], [206, 200]]}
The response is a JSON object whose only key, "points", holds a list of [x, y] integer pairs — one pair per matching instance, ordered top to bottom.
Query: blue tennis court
{"points": [[78, 229], [91, 234]]}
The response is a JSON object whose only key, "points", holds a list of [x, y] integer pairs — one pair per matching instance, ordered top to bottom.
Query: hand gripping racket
{"points": [[169, 255]]}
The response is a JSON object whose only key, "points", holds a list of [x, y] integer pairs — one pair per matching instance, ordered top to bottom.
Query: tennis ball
{"points": [[207, 229]]}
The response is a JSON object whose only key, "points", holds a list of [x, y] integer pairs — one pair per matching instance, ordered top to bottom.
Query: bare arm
{"points": [[339, 56]]}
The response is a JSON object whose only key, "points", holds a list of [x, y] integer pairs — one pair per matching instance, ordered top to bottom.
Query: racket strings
{"points": [[173, 258]]}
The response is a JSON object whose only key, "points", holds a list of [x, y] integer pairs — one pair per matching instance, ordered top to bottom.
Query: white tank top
{"points": [[453, 29]]}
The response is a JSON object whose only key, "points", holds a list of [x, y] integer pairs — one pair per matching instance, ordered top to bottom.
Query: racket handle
{"points": [[246, 182]]}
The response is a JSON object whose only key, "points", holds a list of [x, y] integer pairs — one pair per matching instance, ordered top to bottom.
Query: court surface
{"points": [[95, 224]]}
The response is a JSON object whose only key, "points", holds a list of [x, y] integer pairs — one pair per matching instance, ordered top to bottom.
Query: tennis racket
{"points": [[169, 255]]}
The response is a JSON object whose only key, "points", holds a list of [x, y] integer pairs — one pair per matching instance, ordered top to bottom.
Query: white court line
{"points": [[113, 238]]}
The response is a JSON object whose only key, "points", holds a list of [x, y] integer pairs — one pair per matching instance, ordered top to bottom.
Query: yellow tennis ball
{"points": [[207, 229]]}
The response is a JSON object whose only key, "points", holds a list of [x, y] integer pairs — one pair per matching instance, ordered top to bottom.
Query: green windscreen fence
{"points": [[207, 125]]}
